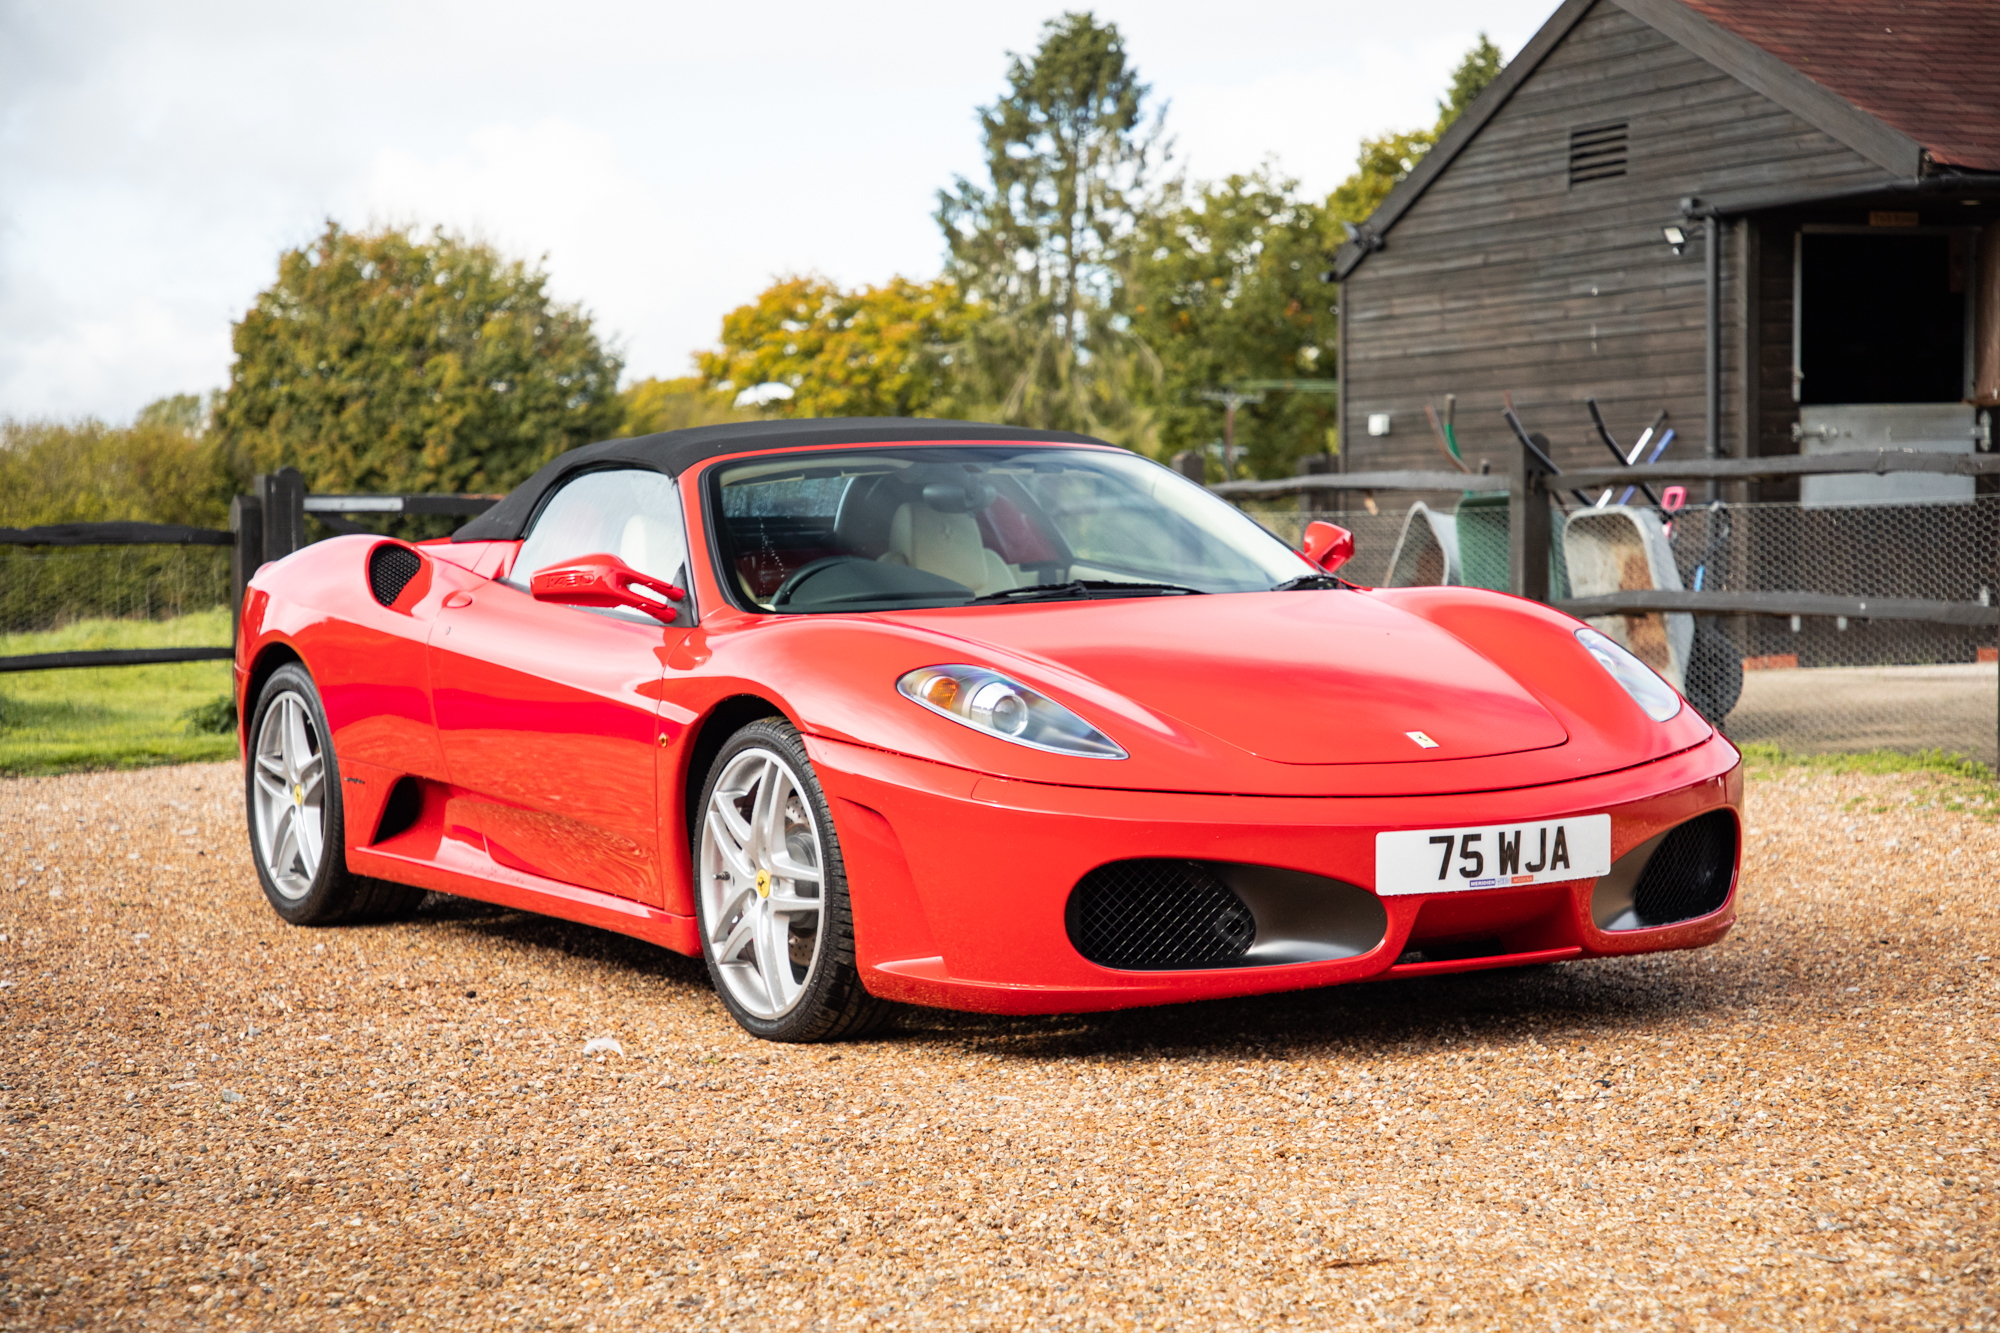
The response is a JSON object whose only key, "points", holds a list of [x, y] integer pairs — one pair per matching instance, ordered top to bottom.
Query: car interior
{"points": [[930, 530]]}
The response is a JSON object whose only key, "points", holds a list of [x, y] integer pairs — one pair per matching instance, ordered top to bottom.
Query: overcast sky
{"points": [[669, 160]]}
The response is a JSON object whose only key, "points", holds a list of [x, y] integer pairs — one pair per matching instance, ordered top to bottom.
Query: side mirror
{"points": [[1327, 545], [605, 580]]}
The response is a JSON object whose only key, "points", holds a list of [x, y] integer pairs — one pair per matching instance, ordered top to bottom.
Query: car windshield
{"points": [[889, 528]]}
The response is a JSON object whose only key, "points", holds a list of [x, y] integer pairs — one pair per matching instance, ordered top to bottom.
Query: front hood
{"points": [[1291, 677]]}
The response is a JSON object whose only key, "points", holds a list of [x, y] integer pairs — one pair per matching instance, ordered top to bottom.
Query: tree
{"points": [[1478, 67], [1384, 161], [1041, 244], [1225, 287], [876, 351], [383, 362], [655, 405], [164, 468]]}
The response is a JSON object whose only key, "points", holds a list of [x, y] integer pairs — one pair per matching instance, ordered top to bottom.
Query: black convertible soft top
{"points": [[674, 451]]}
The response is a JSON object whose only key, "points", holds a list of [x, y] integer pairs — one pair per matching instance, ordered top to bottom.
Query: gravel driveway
{"points": [[209, 1119]]}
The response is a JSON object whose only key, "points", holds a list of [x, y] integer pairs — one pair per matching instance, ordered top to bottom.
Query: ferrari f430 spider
{"points": [[873, 712]]}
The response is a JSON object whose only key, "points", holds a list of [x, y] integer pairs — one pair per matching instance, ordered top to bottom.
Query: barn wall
{"points": [[1503, 277]]}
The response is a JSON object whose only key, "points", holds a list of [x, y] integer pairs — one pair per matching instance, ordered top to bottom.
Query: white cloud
{"points": [[669, 159]]}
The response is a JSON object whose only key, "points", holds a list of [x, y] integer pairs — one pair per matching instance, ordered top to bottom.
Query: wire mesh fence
{"points": [[51, 587], [1810, 684]]}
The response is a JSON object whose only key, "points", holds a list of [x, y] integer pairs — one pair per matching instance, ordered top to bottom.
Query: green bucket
{"points": [[1482, 545]]}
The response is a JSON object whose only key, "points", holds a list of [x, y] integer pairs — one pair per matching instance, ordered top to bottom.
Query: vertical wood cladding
{"points": [[1506, 276], [1777, 413]]}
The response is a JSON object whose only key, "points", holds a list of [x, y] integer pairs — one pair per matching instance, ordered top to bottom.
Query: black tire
{"points": [[316, 889], [829, 1003]]}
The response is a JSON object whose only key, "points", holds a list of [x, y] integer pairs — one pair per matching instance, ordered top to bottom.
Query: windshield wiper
{"points": [[1310, 581], [1085, 590]]}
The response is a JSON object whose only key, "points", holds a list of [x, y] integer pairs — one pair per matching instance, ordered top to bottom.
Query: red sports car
{"points": [[880, 711]]}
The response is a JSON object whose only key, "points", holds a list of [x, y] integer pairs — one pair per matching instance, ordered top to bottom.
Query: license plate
{"points": [[1498, 856]]}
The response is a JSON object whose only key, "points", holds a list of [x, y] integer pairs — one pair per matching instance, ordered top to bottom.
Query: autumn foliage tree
{"points": [[884, 351], [380, 361], [653, 405]]}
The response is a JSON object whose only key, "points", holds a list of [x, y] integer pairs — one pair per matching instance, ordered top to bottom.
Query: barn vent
{"points": [[1597, 153]]}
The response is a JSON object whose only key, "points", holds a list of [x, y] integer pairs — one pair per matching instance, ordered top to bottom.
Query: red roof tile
{"points": [[1930, 68]]}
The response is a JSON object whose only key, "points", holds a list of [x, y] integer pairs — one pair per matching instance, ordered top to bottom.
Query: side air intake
{"points": [[390, 569], [1683, 873], [1158, 915]]}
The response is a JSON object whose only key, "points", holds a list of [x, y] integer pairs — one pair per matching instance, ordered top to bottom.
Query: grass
{"points": [[116, 717], [1961, 783]]}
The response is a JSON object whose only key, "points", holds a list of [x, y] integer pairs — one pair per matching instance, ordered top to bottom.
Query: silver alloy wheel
{"points": [[290, 772], [762, 889]]}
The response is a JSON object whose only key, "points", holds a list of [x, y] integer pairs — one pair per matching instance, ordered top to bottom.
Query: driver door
{"points": [[548, 715]]}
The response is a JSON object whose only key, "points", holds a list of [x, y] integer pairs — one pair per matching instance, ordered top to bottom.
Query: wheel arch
{"points": [[267, 661], [729, 716]]}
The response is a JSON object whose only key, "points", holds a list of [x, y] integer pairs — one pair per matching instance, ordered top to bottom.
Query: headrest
{"points": [[958, 497]]}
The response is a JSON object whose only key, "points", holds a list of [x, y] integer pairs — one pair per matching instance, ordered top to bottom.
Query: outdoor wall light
{"points": [[1677, 238]]}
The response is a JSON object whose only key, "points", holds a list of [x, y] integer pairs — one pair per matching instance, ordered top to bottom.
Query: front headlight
{"points": [[1640, 681], [988, 701]]}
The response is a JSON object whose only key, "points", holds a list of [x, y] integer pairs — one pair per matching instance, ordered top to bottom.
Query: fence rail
{"points": [[1364, 481], [265, 525], [115, 534], [1641, 600], [112, 657]]}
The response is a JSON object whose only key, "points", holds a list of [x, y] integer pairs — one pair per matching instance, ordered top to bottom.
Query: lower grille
{"points": [[1689, 873], [1158, 915]]}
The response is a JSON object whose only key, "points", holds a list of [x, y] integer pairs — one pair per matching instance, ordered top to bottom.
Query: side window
{"points": [[632, 514]]}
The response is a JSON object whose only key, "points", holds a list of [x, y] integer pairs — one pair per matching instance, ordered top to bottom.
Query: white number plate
{"points": [[1499, 856]]}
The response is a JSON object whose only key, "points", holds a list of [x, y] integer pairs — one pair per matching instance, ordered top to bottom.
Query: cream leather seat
{"points": [[947, 545], [651, 547]]}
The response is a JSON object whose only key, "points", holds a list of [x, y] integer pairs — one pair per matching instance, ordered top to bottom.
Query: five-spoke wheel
{"points": [[288, 782], [292, 788], [761, 882], [772, 894]]}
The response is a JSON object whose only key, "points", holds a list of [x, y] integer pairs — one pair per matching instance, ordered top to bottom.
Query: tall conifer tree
{"points": [[1069, 150]]}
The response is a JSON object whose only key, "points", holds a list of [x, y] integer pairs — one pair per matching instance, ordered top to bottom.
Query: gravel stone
{"points": [[1794, 1129]]}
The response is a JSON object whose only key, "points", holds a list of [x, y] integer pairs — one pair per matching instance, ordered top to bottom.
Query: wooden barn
{"points": [[1778, 220]]}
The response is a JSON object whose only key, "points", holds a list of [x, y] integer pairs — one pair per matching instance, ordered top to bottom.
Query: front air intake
{"points": [[390, 569], [1688, 874], [1158, 915]]}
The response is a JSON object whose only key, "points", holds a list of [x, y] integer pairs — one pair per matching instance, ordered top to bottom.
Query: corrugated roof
{"points": [[1930, 68]]}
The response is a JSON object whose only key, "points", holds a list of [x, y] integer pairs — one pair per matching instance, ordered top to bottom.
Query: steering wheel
{"points": [[783, 596]]}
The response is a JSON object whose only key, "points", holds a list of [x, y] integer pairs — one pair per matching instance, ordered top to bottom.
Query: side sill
{"points": [[494, 883]]}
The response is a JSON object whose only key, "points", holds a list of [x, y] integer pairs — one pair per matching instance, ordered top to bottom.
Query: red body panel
{"points": [[550, 713], [553, 747], [992, 862]]}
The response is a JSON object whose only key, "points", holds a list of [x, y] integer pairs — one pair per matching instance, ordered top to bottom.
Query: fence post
{"points": [[1316, 465], [284, 500], [1528, 526], [246, 553]]}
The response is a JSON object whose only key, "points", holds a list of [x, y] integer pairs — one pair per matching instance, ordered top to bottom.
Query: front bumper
{"points": [[960, 881]]}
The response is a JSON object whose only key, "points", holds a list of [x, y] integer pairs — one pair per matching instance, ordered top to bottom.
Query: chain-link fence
{"points": [[50, 587], [1811, 683]]}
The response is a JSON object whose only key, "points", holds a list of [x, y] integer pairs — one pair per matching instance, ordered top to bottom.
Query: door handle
{"points": [[458, 599]]}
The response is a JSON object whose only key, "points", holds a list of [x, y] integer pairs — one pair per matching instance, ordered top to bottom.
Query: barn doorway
{"points": [[1882, 354]]}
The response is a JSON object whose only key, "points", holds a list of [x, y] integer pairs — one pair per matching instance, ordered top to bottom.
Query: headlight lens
{"points": [[1651, 693], [990, 702]]}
